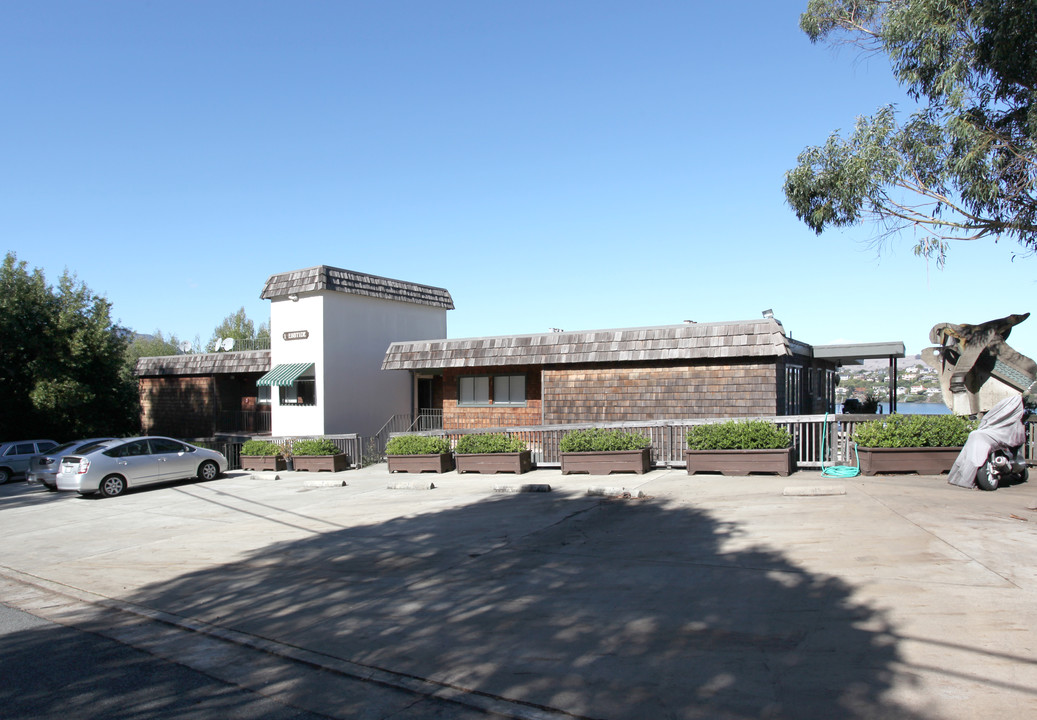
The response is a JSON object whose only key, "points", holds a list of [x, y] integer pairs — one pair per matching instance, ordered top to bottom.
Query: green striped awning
{"points": [[284, 375]]}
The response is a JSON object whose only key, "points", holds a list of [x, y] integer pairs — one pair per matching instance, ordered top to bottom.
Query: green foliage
{"points": [[961, 167], [238, 326], [62, 359], [914, 431], [738, 435], [602, 440], [472, 444], [417, 445], [315, 446], [261, 447]]}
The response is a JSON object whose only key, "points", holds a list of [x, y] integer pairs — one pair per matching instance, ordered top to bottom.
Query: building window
{"points": [[473, 390], [476, 390], [509, 390], [793, 390], [302, 392], [263, 395]]}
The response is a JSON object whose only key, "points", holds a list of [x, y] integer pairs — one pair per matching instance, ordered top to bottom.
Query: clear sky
{"points": [[578, 164]]}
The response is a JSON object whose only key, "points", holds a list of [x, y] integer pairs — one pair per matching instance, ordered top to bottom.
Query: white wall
{"points": [[286, 316], [348, 337], [360, 396]]}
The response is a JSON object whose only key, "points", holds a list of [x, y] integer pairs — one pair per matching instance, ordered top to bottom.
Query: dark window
{"points": [[473, 390], [509, 390], [302, 392], [162, 445], [130, 449]]}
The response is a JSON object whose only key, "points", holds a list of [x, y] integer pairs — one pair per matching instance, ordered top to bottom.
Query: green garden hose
{"points": [[840, 471]]}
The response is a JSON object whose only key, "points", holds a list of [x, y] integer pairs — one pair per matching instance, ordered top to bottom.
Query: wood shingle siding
{"points": [[323, 277], [689, 341], [205, 364], [625, 393]]}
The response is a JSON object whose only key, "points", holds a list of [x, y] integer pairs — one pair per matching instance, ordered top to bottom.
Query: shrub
{"points": [[914, 431], [738, 435], [601, 440], [471, 444], [417, 445], [318, 446], [261, 447]]}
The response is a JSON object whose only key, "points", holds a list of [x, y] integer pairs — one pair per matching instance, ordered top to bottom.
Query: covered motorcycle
{"points": [[993, 453]]}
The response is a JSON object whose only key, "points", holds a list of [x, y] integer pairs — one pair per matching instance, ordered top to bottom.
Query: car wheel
{"points": [[208, 470], [5, 475], [986, 479], [112, 486]]}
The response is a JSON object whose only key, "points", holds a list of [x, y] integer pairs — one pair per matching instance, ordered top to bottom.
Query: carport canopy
{"points": [[854, 353], [284, 375]]}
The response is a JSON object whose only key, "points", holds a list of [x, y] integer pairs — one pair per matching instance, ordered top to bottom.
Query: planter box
{"points": [[924, 461], [263, 462], [512, 462], [741, 462], [321, 463], [437, 463], [603, 463]]}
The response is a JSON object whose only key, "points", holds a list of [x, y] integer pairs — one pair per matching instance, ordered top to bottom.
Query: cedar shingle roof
{"points": [[324, 277], [753, 338], [205, 363]]}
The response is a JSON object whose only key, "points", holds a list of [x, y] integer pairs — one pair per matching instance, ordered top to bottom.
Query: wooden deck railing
{"points": [[820, 440]]}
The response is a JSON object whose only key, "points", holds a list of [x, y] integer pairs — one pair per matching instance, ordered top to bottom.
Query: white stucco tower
{"points": [[329, 331]]}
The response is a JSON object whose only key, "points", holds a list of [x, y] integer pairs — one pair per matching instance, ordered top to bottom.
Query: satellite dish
{"points": [[227, 344], [185, 347]]}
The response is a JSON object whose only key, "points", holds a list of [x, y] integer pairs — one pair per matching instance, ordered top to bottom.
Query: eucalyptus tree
{"points": [[963, 164]]}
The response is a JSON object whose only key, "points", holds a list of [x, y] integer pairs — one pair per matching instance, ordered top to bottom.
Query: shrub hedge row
{"points": [[914, 431], [738, 435], [602, 440], [473, 444], [417, 445]]}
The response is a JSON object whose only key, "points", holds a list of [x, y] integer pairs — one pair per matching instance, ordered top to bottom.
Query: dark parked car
{"points": [[15, 456], [43, 469]]}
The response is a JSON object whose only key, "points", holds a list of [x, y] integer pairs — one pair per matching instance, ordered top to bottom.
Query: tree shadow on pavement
{"points": [[610, 609]]}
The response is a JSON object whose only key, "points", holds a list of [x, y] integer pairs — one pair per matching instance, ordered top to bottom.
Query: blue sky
{"points": [[553, 163]]}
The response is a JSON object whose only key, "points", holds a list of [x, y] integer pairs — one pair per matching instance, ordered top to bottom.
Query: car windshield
{"points": [[90, 446], [59, 449]]}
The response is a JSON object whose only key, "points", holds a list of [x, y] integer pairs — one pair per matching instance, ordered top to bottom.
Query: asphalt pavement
{"points": [[368, 595]]}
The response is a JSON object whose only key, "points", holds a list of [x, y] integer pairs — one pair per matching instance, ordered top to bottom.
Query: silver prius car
{"points": [[112, 467], [43, 468]]}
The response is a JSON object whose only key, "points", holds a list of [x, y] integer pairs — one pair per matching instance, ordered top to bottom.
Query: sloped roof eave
{"points": [[758, 339]]}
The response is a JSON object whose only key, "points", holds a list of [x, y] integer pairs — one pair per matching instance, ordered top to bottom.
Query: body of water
{"points": [[915, 408]]}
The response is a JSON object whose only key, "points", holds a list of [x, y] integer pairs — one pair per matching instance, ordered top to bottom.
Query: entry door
{"points": [[425, 407]]}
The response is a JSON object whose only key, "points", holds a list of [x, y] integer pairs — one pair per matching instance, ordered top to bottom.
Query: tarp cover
{"points": [[1002, 428]]}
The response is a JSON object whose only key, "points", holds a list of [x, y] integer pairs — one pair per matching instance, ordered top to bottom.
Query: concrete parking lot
{"points": [[705, 597]]}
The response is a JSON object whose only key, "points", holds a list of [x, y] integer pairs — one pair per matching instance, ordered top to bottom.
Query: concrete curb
{"points": [[324, 483], [411, 486], [530, 488], [615, 492]]}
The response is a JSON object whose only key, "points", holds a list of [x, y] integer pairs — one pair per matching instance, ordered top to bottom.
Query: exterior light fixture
{"points": [[293, 297], [768, 314]]}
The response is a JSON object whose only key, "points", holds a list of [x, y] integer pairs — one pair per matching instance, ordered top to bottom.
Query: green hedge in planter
{"points": [[898, 431], [738, 435], [602, 440], [476, 444], [417, 445], [318, 446], [261, 447]]}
